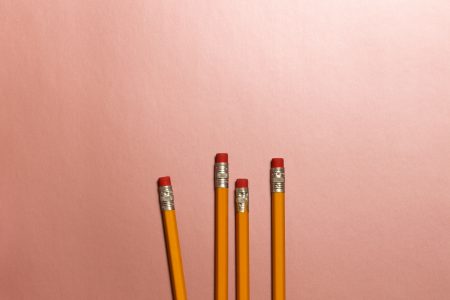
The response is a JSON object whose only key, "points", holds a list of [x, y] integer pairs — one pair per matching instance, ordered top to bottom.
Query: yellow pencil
{"points": [[221, 227], [278, 229], [171, 236], [242, 241]]}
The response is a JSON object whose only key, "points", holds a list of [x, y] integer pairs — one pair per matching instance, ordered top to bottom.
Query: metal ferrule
{"points": [[221, 175], [277, 180], [166, 198], [241, 200]]}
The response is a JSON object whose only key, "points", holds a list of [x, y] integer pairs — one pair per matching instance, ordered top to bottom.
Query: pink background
{"points": [[99, 98]]}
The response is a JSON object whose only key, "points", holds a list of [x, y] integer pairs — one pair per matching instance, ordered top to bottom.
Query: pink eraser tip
{"points": [[221, 157], [277, 163], [164, 181], [242, 183]]}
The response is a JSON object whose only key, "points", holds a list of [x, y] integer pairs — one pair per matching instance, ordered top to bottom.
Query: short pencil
{"points": [[278, 229], [171, 237], [242, 240]]}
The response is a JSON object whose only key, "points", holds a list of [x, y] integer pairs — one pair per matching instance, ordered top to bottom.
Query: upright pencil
{"points": [[221, 227], [278, 229], [171, 236], [242, 240]]}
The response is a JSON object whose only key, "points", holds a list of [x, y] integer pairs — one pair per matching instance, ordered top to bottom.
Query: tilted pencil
{"points": [[277, 179], [221, 227], [171, 236], [242, 240]]}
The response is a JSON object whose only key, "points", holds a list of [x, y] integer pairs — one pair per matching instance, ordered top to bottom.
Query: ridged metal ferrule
{"points": [[221, 175], [277, 179], [166, 198], [241, 200]]}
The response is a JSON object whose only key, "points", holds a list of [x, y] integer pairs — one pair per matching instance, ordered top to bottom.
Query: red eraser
{"points": [[221, 157], [277, 163], [164, 181], [242, 183]]}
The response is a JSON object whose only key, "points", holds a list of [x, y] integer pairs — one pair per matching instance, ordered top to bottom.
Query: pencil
{"points": [[277, 179], [221, 227], [171, 236], [242, 241]]}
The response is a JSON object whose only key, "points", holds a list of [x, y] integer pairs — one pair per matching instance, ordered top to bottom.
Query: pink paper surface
{"points": [[100, 98]]}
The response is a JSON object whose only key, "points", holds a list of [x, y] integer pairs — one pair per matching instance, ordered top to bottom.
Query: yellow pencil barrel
{"points": [[221, 245], [278, 247], [174, 255], [242, 256]]}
